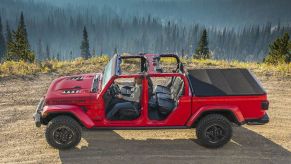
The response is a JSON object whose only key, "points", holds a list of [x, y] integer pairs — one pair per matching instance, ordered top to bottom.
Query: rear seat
{"points": [[169, 88], [163, 89], [167, 102]]}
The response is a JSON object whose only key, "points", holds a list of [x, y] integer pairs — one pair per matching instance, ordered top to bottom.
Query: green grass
{"points": [[96, 64], [79, 65], [259, 68]]}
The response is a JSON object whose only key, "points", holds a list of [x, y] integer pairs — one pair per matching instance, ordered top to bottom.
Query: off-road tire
{"points": [[212, 121], [70, 125]]}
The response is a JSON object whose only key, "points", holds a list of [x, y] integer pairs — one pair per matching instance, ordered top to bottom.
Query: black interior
{"points": [[126, 90], [165, 99], [162, 100], [130, 112]]}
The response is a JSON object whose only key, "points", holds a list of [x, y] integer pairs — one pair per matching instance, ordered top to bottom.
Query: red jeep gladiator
{"points": [[210, 100]]}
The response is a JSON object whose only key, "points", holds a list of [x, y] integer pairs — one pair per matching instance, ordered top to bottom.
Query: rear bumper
{"points": [[37, 114], [265, 119]]}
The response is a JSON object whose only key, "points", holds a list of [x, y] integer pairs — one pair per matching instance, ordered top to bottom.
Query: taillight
{"points": [[265, 105]]}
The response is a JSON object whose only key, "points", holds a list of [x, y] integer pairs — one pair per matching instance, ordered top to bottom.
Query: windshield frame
{"points": [[111, 69]]}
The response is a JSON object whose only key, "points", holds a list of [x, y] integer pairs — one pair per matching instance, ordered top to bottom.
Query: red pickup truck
{"points": [[210, 100]]}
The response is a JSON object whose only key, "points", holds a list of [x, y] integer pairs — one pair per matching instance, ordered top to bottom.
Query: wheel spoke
{"points": [[214, 133], [63, 135]]}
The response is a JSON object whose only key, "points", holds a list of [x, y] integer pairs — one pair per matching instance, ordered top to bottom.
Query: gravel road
{"points": [[21, 141]]}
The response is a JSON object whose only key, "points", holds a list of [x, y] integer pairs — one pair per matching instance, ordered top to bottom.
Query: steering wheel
{"points": [[114, 90]]}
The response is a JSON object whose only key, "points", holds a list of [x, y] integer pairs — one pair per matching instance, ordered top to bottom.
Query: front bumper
{"points": [[37, 114], [265, 119]]}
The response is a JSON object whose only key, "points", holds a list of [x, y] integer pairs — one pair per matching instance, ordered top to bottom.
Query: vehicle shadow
{"points": [[109, 147]]}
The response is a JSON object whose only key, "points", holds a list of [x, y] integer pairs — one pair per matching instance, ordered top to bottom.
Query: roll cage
{"points": [[149, 63]]}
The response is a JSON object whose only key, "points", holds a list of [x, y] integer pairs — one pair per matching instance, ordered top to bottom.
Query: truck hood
{"points": [[77, 82], [72, 88]]}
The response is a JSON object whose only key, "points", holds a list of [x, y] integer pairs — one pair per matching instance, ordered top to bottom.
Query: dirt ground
{"points": [[21, 141]]}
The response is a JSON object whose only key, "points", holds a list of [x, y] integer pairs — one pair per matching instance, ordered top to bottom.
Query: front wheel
{"points": [[214, 131], [63, 132]]}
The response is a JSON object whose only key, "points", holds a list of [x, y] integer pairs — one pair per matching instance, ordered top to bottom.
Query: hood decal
{"points": [[77, 78], [79, 82]]}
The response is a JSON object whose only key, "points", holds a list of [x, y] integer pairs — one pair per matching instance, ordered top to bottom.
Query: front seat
{"points": [[124, 111], [128, 114]]}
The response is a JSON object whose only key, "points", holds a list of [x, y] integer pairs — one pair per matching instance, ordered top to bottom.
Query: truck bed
{"points": [[224, 82]]}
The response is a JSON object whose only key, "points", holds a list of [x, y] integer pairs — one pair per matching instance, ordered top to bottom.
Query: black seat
{"points": [[170, 88], [164, 89], [167, 89], [126, 90], [167, 102], [165, 106], [125, 111], [130, 113]]}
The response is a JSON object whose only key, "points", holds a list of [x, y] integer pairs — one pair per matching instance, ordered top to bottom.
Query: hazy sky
{"points": [[208, 12], [59, 23]]}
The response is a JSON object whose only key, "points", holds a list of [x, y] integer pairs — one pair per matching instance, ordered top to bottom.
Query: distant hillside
{"points": [[218, 13], [237, 30], [96, 64]]}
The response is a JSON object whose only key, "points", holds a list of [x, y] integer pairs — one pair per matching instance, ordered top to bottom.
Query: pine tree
{"points": [[8, 35], [22, 41], [2, 42], [10, 44], [19, 48], [39, 50], [115, 51], [202, 51], [279, 51], [94, 52], [101, 52], [12, 53], [47, 53], [85, 53], [183, 53], [71, 55], [58, 57]]}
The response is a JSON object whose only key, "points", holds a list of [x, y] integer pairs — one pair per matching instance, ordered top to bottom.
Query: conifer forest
{"points": [[55, 28]]}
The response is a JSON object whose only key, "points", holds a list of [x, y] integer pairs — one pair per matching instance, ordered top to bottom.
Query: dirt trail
{"points": [[21, 141]]}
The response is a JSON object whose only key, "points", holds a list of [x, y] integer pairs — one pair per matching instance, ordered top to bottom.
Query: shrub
{"points": [[96, 64]]}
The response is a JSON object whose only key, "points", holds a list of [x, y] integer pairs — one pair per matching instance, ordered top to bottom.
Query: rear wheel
{"points": [[214, 131], [63, 132]]}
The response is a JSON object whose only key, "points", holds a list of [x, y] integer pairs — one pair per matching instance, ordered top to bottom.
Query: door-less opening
{"points": [[166, 93], [123, 99]]}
